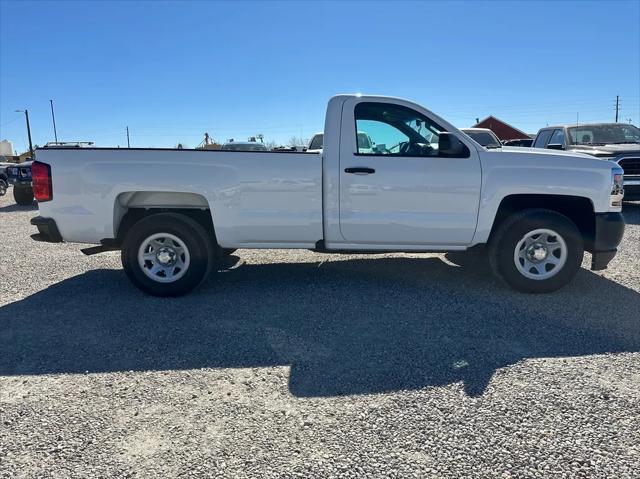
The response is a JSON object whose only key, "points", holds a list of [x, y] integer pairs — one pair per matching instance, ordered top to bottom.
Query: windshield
{"points": [[604, 134], [485, 138]]}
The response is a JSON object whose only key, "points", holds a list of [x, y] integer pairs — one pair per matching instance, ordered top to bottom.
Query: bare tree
{"points": [[298, 141], [270, 144]]}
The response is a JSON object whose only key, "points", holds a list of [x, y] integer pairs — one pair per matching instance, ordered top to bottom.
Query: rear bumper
{"points": [[47, 230], [608, 235]]}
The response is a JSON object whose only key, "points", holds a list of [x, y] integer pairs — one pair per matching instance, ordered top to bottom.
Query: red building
{"points": [[503, 130]]}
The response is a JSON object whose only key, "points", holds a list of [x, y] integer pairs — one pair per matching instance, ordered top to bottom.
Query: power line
{"points": [[10, 121]]}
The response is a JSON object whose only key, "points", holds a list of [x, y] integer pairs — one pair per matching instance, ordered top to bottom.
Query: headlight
{"points": [[617, 187]]}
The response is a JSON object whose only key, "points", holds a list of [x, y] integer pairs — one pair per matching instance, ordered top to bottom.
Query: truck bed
{"points": [[258, 199]]}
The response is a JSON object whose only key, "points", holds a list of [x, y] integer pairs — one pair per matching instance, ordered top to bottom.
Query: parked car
{"points": [[483, 136], [523, 142], [616, 142], [244, 146], [19, 175], [4, 179], [425, 186]]}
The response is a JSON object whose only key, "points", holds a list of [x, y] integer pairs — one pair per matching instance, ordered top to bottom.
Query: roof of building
{"points": [[503, 130]]}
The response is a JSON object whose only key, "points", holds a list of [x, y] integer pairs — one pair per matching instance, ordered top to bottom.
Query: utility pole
{"points": [[617, 106], [26, 114], [53, 117], [128, 144]]}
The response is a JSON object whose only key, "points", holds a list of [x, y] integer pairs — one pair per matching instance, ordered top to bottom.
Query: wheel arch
{"points": [[130, 207], [578, 209]]}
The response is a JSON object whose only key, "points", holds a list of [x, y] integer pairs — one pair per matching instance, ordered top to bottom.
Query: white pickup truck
{"points": [[424, 186]]}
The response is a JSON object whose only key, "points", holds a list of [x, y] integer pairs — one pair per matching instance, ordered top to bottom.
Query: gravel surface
{"points": [[295, 364]]}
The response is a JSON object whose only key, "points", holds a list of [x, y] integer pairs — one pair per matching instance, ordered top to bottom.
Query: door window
{"points": [[387, 129]]}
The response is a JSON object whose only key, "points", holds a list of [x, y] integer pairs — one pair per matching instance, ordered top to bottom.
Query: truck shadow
{"points": [[15, 207], [345, 327]]}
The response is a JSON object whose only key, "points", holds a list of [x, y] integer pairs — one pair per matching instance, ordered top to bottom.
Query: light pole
{"points": [[26, 114]]}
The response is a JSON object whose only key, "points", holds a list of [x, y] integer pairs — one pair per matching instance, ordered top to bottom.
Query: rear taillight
{"points": [[41, 177]]}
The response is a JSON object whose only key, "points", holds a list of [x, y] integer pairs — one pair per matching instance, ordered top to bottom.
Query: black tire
{"points": [[4, 186], [23, 195], [503, 243], [201, 249], [228, 251]]}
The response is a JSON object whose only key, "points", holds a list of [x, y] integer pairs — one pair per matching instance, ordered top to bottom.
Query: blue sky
{"points": [[173, 70]]}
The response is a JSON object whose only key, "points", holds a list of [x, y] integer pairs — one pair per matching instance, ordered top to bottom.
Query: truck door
{"points": [[395, 186]]}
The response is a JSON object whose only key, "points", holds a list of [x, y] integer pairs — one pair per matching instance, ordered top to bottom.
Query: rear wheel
{"points": [[3, 186], [23, 195], [536, 251], [167, 254]]}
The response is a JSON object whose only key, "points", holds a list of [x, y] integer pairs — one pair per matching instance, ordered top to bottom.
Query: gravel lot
{"points": [[298, 364]]}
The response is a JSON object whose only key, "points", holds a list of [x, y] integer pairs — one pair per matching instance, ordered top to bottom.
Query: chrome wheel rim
{"points": [[3, 187], [540, 254], [164, 257]]}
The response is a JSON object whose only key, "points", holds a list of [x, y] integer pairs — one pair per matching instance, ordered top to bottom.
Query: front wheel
{"points": [[3, 186], [23, 195], [536, 251], [167, 254]]}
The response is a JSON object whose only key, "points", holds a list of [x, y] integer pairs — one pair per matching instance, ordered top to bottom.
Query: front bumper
{"points": [[19, 175], [19, 181], [631, 188], [609, 229], [47, 230]]}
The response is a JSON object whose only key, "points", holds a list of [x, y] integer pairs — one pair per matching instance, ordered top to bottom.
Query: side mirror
{"points": [[449, 146], [555, 146]]}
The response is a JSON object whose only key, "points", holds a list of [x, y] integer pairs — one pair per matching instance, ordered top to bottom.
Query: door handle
{"points": [[360, 170]]}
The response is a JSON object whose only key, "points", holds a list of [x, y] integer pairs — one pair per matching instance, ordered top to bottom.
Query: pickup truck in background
{"points": [[617, 142], [19, 175], [418, 185]]}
